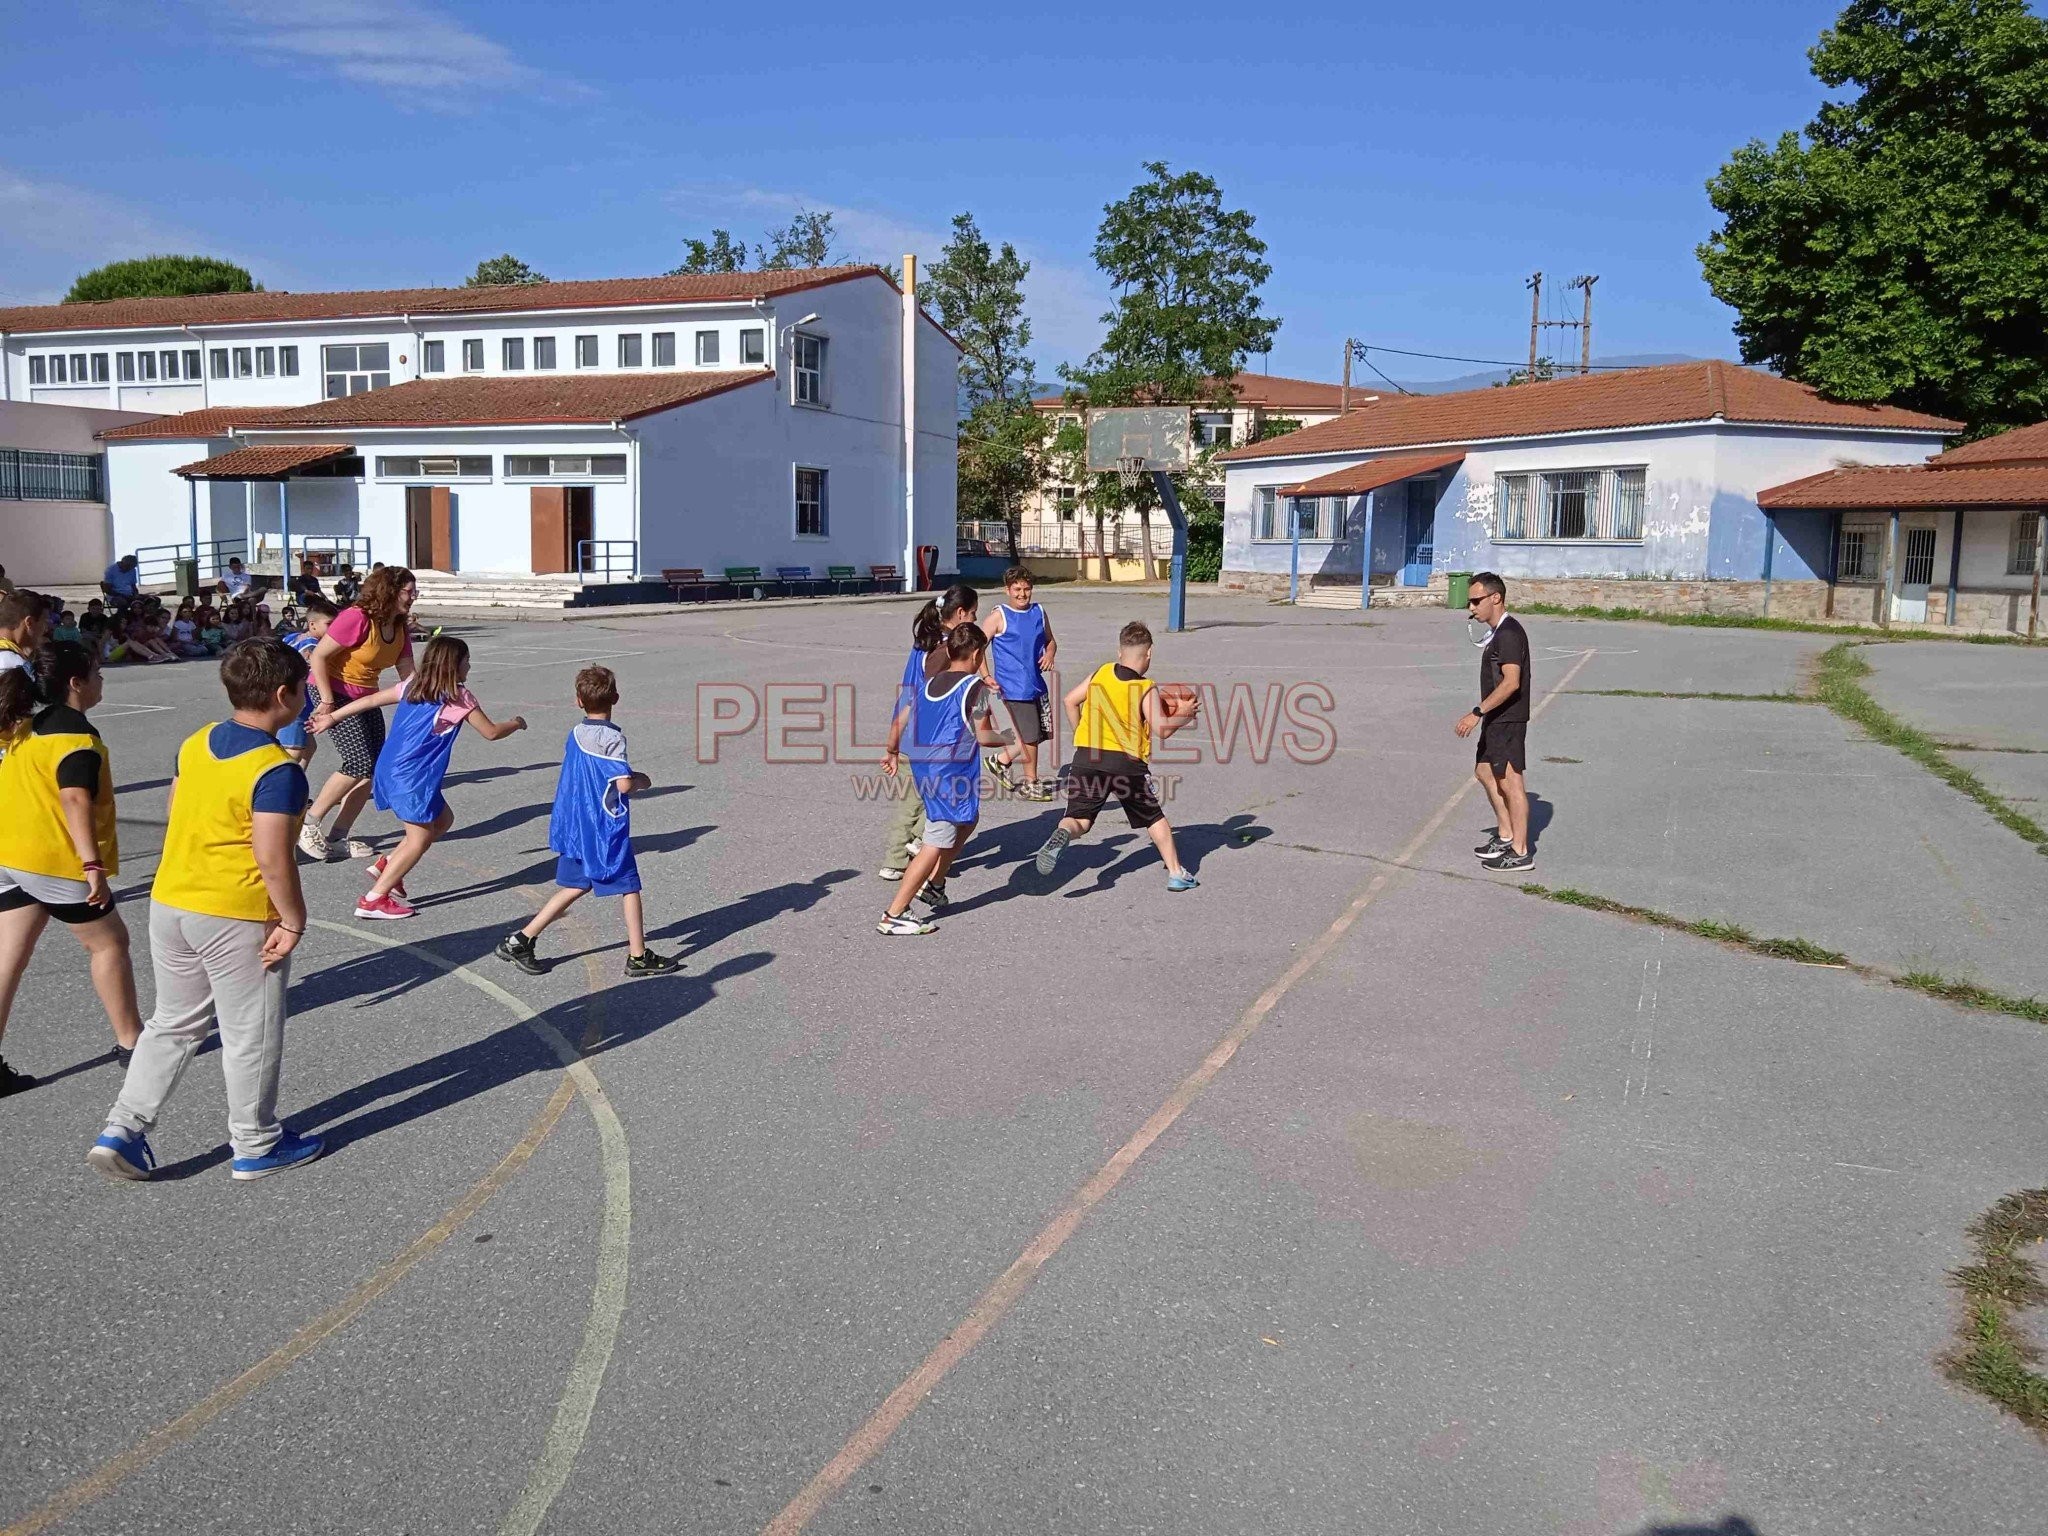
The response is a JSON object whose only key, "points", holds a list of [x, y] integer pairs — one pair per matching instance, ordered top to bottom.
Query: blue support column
{"points": [[192, 487], [284, 527], [1770, 549], [1294, 551], [1365, 555], [1955, 563], [1177, 576]]}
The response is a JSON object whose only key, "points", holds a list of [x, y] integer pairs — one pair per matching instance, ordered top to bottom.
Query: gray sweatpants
{"points": [[906, 823], [208, 969]]}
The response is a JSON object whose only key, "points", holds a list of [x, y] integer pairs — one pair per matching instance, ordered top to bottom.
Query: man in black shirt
{"points": [[1502, 721]]}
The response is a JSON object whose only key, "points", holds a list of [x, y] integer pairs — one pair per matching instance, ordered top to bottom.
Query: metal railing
{"points": [[28, 475], [330, 552], [608, 559], [157, 564]]}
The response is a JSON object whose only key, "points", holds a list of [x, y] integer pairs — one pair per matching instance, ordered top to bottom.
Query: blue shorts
{"points": [[294, 735], [570, 875]]}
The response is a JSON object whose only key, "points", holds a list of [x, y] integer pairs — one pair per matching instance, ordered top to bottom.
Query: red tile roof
{"points": [[250, 308], [1270, 391], [1637, 397], [493, 400], [213, 421], [2022, 445], [272, 461], [1374, 473], [1911, 485]]}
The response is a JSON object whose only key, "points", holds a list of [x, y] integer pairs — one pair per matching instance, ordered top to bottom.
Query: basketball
{"points": [[1178, 699]]}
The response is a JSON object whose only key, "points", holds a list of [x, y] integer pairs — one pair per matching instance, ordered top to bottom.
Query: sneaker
{"points": [[998, 770], [1040, 791], [313, 843], [1491, 846], [913, 848], [358, 849], [1049, 854], [1510, 861], [377, 873], [887, 873], [1181, 880], [934, 895], [385, 908], [905, 924], [518, 948], [648, 963], [123, 1054], [12, 1081], [290, 1150], [122, 1155]]}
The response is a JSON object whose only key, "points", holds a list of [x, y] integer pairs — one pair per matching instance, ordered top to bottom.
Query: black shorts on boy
{"points": [[1099, 777]]}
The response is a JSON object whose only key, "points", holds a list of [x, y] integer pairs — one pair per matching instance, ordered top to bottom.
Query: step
{"points": [[1329, 597]]}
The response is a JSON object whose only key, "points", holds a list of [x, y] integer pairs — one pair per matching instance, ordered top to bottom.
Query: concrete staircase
{"points": [[441, 592], [1345, 595]]}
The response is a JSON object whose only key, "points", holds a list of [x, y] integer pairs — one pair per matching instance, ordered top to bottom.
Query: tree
{"points": [[807, 240], [1897, 250], [721, 253], [506, 271], [1187, 273], [158, 277], [977, 294], [1545, 370]]}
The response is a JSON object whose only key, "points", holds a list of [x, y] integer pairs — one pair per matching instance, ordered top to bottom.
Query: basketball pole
{"points": [[1177, 581]]}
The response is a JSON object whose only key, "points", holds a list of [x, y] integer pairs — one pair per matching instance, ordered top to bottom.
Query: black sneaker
{"points": [[1493, 844], [1048, 856], [1510, 862], [934, 895], [518, 948], [648, 963], [123, 1054], [12, 1081]]}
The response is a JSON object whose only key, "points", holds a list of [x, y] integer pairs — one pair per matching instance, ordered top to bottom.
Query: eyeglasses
{"points": [[1474, 602]]}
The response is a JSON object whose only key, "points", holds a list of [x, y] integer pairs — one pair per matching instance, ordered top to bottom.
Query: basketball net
{"points": [[1130, 471]]}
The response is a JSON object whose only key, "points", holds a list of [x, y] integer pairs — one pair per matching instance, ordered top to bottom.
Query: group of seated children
{"points": [[147, 631]]}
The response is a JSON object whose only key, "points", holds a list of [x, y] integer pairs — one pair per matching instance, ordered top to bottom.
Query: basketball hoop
{"points": [[1130, 470]]}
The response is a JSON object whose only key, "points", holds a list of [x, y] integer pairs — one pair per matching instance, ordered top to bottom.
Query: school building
{"points": [[595, 431], [1700, 486]]}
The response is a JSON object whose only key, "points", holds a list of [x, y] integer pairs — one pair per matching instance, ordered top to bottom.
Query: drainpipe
{"points": [[2040, 538], [1294, 549], [1770, 549], [1834, 560], [1365, 562], [1955, 563], [909, 566], [1891, 570]]}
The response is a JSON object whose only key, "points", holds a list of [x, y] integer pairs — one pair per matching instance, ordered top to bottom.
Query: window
{"points": [[753, 345], [629, 349], [707, 349], [543, 351], [586, 351], [664, 353], [473, 354], [513, 354], [434, 357], [170, 361], [287, 361], [147, 362], [220, 362], [245, 362], [266, 362], [78, 367], [99, 367], [124, 367], [807, 369], [38, 370], [352, 370], [59, 374], [1216, 433], [525, 466], [348, 467], [477, 467], [26, 475], [1068, 501], [810, 503], [1573, 504], [1266, 514], [1321, 516], [2026, 544], [1856, 554], [1917, 569]]}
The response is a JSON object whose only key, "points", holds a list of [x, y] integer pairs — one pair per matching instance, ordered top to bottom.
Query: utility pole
{"points": [[1585, 284], [1535, 287], [1344, 399]]}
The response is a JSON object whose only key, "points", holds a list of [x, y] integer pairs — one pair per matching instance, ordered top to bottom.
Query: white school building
{"points": [[605, 429]]}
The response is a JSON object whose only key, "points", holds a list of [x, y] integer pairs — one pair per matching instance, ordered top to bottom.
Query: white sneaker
{"points": [[313, 842], [912, 848], [358, 849], [889, 874]]}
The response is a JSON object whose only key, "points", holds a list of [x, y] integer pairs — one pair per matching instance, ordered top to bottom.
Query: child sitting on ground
{"points": [[66, 631], [185, 632], [212, 634], [591, 831]]}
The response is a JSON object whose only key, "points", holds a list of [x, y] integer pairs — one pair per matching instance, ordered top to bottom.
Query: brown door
{"points": [[429, 528], [551, 548]]}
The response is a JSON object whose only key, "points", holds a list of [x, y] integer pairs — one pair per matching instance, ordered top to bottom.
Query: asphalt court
{"points": [[1504, 1216]]}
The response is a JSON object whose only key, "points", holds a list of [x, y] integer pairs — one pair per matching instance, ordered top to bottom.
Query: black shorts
{"points": [[1031, 717], [358, 739], [1504, 744], [1098, 777], [76, 913]]}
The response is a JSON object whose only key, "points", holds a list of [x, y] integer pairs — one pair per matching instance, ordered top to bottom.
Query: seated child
{"points": [[66, 630]]}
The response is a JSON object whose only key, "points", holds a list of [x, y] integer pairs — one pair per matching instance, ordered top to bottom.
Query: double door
{"points": [[563, 517], [429, 528]]}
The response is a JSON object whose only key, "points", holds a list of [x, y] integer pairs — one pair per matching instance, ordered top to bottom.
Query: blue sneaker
{"points": [[1181, 880], [291, 1150], [122, 1155]]}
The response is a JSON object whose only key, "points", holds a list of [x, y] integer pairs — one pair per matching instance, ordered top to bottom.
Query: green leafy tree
{"points": [[807, 240], [1897, 250], [721, 253], [506, 271], [1187, 273], [158, 277], [977, 293], [1545, 369]]}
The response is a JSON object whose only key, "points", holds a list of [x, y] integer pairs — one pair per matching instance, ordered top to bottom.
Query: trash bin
{"points": [[186, 576], [1461, 589]]}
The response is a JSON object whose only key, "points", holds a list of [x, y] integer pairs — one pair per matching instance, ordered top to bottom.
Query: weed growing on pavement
{"points": [[1746, 621], [1723, 698], [1805, 951], [1970, 995], [1992, 1355]]}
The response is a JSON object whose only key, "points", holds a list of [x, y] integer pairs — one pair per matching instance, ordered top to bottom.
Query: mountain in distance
{"points": [[1492, 376]]}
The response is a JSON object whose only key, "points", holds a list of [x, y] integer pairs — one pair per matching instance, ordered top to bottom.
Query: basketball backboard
{"points": [[1157, 435]]}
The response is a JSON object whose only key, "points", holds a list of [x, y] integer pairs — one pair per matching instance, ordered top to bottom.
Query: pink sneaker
{"points": [[377, 873], [387, 908]]}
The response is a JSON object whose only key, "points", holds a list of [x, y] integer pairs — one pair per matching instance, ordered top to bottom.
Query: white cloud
{"points": [[413, 52], [50, 232], [1063, 302]]}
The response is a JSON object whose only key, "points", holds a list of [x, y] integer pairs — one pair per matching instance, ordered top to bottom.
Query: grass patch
{"points": [[1744, 621], [1838, 683], [1724, 698], [1734, 935], [1969, 995], [1993, 1355]]}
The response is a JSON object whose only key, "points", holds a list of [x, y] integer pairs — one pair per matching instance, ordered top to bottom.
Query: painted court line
{"points": [[995, 1303]]}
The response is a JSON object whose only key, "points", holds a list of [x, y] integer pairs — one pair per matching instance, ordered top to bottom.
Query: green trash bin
{"points": [[187, 577], [1461, 589]]}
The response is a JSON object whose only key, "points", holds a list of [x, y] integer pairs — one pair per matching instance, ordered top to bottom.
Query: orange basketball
{"points": [[1178, 699]]}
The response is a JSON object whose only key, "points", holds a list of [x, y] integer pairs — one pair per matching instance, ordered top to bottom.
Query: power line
{"points": [[1491, 362]]}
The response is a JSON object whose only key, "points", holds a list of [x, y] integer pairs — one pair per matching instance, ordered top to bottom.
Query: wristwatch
{"points": [[1479, 710]]}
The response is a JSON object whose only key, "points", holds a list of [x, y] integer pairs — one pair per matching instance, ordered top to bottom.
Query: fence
{"points": [[26, 475], [329, 552], [608, 559], [157, 564]]}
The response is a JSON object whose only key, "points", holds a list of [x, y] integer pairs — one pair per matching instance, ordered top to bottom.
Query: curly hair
{"points": [[379, 597]]}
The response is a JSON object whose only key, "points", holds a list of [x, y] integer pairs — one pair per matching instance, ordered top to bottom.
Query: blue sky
{"points": [[1408, 165]]}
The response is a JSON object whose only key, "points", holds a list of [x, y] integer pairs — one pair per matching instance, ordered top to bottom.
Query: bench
{"points": [[841, 576], [679, 577], [741, 577], [793, 577], [885, 578]]}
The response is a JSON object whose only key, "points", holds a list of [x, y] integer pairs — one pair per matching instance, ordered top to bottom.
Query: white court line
{"points": [[528, 666], [135, 709]]}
